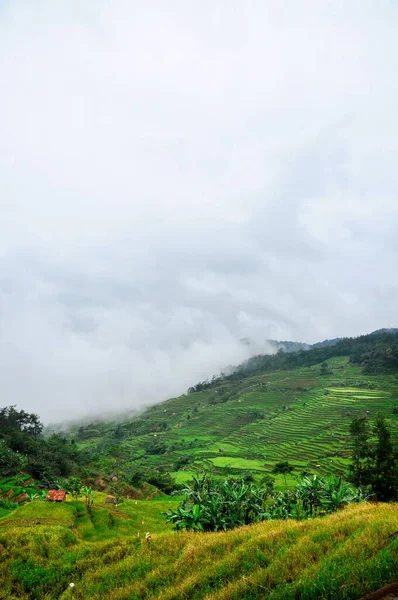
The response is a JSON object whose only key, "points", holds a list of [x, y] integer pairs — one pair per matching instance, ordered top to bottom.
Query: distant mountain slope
{"points": [[387, 330], [334, 341], [325, 343], [271, 346], [289, 346], [375, 352], [247, 422]]}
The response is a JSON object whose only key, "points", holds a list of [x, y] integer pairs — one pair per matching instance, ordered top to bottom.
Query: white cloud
{"points": [[175, 178]]}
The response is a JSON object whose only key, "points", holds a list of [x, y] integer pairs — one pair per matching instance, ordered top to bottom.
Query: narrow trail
{"points": [[388, 592]]}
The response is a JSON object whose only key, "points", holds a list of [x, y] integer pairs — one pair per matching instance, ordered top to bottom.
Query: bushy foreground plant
{"points": [[211, 505]]}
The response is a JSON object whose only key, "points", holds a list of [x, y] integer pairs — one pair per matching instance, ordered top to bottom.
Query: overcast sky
{"points": [[177, 175]]}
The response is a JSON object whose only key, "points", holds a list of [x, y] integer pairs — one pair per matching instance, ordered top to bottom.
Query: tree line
{"points": [[23, 447]]}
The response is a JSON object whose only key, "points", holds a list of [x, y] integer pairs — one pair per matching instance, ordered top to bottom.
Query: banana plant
{"points": [[310, 493], [88, 494], [336, 494], [35, 495], [211, 505], [187, 518]]}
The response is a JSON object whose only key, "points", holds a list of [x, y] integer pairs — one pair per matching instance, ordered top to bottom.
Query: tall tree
{"points": [[15, 424], [10, 462], [360, 467], [284, 468], [384, 480]]}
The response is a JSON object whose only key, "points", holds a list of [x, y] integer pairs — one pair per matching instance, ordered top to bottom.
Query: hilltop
{"points": [[290, 346]]}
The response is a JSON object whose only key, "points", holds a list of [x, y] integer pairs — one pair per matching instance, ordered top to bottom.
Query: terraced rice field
{"points": [[299, 415]]}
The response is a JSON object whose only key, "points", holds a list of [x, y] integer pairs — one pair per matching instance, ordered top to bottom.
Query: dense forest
{"points": [[23, 447]]}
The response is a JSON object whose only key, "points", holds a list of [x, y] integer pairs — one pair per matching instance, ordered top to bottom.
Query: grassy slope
{"points": [[244, 425], [133, 517], [338, 557]]}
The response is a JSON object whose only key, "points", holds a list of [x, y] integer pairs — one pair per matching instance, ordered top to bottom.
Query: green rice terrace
{"points": [[298, 415]]}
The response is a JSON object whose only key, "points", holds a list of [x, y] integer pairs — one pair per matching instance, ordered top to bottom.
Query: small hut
{"points": [[56, 495]]}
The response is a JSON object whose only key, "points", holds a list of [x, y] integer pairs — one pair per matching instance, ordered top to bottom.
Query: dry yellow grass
{"points": [[339, 557]]}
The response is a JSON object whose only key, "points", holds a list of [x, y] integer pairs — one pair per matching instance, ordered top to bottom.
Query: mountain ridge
{"points": [[292, 346]]}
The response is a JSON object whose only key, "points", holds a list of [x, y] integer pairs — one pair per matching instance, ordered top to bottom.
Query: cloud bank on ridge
{"points": [[174, 178]]}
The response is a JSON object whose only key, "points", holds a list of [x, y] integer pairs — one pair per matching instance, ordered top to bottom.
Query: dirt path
{"points": [[388, 592]]}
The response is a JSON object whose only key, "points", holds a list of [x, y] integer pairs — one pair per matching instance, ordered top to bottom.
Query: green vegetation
{"points": [[247, 424], [24, 448], [374, 462], [283, 468], [74, 487], [211, 505]]}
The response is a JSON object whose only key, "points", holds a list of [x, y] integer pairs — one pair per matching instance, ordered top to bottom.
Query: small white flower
{"points": [[71, 585]]}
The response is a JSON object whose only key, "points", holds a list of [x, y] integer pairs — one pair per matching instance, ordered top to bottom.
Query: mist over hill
{"points": [[290, 346], [366, 350]]}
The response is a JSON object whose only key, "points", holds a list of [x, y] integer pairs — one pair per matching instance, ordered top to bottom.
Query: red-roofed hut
{"points": [[56, 495]]}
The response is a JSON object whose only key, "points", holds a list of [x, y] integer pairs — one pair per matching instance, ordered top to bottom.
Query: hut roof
{"points": [[56, 495]]}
